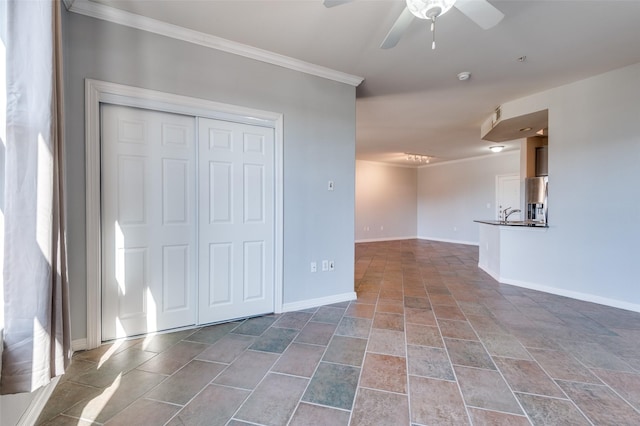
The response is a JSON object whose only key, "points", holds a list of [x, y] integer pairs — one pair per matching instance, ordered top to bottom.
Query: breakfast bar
{"points": [[502, 249]]}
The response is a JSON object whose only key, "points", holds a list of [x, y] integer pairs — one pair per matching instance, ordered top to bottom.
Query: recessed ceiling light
{"points": [[466, 75], [526, 129], [496, 148]]}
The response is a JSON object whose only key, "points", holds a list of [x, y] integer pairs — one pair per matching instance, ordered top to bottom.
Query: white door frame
{"points": [[97, 92]]}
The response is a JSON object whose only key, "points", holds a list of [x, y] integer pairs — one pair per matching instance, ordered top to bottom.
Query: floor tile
{"points": [[417, 302], [390, 306], [360, 310], [448, 312], [329, 315], [420, 316], [294, 320], [388, 321], [485, 324], [255, 326], [354, 327], [456, 329], [213, 333], [316, 333], [424, 336], [274, 340], [162, 342], [388, 342], [504, 345], [227, 348], [346, 350], [102, 353], [468, 353], [595, 356], [553, 357], [174, 358], [299, 360], [429, 362], [118, 365], [561, 365], [77, 368], [247, 370], [384, 372], [527, 376], [187, 382], [333, 385], [627, 385], [486, 389], [65, 396], [116, 397], [273, 401], [436, 402], [600, 404], [214, 406], [373, 407], [545, 411], [144, 412], [315, 415], [494, 418], [64, 420]]}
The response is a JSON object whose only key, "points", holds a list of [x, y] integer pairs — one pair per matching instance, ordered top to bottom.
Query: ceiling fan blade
{"points": [[332, 3], [481, 12], [398, 29]]}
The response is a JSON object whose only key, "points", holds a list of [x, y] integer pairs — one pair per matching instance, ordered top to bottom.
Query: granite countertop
{"points": [[527, 223]]}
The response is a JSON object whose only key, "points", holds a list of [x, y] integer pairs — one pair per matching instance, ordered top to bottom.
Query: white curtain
{"points": [[36, 312]]}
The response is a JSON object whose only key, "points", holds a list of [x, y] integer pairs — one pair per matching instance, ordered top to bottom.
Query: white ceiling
{"points": [[411, 100]]}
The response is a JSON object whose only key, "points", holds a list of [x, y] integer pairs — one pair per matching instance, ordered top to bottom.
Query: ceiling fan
{"points": [[481, 12]]}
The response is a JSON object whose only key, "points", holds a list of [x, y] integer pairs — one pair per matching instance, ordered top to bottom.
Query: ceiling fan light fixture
{"points": [[429, 9]]}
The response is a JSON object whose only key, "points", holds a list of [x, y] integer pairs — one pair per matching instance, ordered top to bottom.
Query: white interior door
{"points": [[508, 195], [236, 220], [148, 221]]}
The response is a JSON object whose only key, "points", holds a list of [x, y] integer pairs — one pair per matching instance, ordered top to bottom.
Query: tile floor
{"points": [[431, 340]]}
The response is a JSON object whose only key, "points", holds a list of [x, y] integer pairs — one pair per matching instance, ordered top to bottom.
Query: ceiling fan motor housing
{"points": [[429, 9]]}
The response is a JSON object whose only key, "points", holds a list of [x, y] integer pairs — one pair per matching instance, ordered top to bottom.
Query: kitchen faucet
{"points": [[508, 212]]}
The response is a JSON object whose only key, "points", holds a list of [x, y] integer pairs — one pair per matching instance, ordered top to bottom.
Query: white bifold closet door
{"points": [[236, 220], [149, 221], [187, 222]]}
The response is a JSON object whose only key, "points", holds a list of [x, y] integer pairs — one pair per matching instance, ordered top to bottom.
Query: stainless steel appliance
{"points": [[535, 193]]}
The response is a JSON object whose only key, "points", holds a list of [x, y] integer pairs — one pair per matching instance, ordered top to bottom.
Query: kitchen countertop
{"points": [[524, 223]]}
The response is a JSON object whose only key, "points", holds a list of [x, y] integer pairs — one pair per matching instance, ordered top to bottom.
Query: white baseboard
{"points": [[377, 240], [446, 240], [493, 274], [586, 297], [321, 301], [78, 345]]}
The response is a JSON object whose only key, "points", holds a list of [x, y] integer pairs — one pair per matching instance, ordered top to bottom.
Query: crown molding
{"points": [[117, 16]]}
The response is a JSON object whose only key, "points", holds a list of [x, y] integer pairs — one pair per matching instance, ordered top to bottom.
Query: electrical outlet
{"points": [[325, 265], [332, 265], [314, 267]]}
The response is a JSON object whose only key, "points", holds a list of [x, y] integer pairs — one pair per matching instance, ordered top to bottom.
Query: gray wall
{"points": [[319, 142], [452, 195], [385, 198], [591, 247]]}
